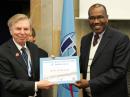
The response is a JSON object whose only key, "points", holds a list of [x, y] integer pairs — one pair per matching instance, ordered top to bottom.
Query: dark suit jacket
{"points": [[109, 66], [13, 71]]}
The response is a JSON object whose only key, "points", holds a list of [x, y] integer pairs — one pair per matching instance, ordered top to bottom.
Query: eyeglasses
{"points": [[96, 17]]}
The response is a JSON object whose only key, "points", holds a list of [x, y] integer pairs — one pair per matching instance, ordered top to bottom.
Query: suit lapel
{"points": [[105, 41], [88, 46], [86, 50], [17, 55], [33, 55]]}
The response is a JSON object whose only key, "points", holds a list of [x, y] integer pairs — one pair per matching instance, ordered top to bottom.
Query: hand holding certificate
{"points": [[60, 70]]}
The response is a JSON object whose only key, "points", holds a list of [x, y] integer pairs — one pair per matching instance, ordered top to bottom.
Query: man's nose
{"points": [[96, 20], [22, 31]]}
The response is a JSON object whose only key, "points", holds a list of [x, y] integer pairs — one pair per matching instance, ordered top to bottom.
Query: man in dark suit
{"points": [[32, 38], [104, 58], [19, 74]]}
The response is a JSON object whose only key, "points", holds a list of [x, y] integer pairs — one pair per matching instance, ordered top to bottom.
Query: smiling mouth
{"points": [[97, 27]]}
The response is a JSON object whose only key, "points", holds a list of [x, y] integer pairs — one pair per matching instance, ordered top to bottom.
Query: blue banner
{"points": [[68, 46]]}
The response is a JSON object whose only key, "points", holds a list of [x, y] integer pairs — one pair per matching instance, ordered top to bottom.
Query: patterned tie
{"points": [[96, 37], [25, 57]]}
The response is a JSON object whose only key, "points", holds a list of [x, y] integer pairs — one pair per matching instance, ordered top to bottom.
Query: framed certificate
{"points": [[60, 70]]}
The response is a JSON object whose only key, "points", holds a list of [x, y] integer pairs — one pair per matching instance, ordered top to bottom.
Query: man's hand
{"points": [[83, 83], [44, 84]]}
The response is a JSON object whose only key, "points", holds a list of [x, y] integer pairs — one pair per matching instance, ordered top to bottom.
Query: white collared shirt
{"points": [[27, 50], [93, 50]]}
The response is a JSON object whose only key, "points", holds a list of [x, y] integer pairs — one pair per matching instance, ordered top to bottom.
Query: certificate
{"points": [[60, 70]]}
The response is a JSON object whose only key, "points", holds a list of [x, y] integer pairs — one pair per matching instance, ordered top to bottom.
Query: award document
{"points": [[60, 70]]}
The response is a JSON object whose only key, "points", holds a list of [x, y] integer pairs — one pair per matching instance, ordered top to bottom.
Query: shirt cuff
{"points": [[36, 89]]}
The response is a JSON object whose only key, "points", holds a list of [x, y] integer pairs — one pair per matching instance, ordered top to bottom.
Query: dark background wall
{"points": [[7, 9]]}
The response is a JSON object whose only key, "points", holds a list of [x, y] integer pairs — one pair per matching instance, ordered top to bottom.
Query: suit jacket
{"points": [[109, 66], [13, 70]]}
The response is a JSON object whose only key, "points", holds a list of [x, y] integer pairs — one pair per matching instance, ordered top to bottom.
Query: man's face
{"points": [[98, 19], [20, 31], [31, 38]]}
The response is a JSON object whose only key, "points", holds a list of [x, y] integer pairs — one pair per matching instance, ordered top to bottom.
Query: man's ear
{"points": [[10, 31]]}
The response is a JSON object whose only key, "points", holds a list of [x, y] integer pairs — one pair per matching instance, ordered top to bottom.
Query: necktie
{"points": [[96, 37], [25, 57]]}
